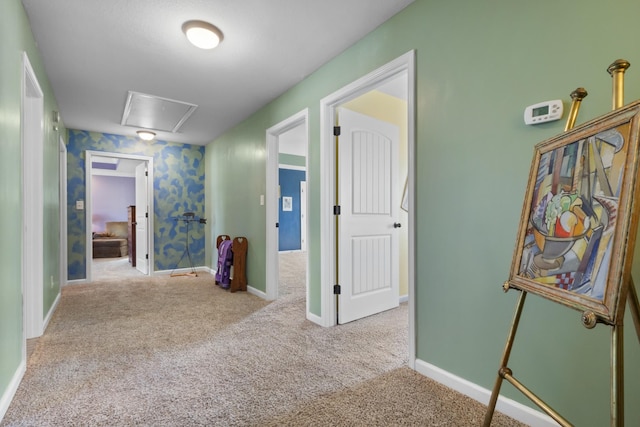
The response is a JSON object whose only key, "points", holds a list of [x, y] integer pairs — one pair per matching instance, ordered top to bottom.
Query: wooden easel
{"points": [[589, 320]]}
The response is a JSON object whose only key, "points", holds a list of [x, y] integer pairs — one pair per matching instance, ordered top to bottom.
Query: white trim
{"points": [[328, 105], [292, 167], [88, 206], [32, 226], [64, 255], [272, 263], [201, 269], [76, 282], [256, 292], [403, 298], [52, 310], [315, 319], [11, 389], [509, 407]]}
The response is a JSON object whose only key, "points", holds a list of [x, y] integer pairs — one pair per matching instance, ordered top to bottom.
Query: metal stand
{"points": [[187, 218], [589, 320], [617, 366]]}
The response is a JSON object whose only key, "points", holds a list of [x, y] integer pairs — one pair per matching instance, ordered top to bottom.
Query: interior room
{"points": [[443, 272]]}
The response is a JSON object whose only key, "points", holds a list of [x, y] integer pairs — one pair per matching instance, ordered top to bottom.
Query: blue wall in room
{"points": [[178, 187], [289, 221]]}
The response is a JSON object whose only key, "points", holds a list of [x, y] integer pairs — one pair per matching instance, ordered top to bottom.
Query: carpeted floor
{"points": [[180, 351]]}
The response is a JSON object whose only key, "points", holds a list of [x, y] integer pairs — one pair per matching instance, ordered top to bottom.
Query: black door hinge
{"points": [[336, 131], [146, 173], [336, 210], [146, 214], [277, 225], [146, 256], [336, 289]]}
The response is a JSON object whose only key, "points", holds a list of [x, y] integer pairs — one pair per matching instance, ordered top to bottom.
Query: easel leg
{"points": [[634, 306], [505, 359], [617, 376]]}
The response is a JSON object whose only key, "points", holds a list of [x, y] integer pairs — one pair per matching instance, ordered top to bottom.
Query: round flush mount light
{"points": [[202, 34], [146, 135]]}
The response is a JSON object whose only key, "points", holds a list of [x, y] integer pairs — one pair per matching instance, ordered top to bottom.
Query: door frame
{"points": [[404, 64], [89, 154], [32, 202], [64, 255], [272, 263]]}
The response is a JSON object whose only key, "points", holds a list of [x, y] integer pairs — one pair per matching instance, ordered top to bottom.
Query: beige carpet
{"points": [[180, 351]]}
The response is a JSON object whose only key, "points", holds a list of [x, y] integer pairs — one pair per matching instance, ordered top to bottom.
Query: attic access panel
{"points": [[154, 112]]}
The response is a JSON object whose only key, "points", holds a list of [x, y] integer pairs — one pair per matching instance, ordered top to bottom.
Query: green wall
{"points": [[16, 37], [479, 64], [292, 160]]}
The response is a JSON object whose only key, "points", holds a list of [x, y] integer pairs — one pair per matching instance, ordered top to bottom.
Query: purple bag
{"points": [[225, 260]]}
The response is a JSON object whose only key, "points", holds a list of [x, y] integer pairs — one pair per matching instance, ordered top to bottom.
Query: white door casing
{"points": [[403, 65], [145, 160], [272, 201], [32, 202], [63, 212], [142, 215], [303, 216], [368, 234]]}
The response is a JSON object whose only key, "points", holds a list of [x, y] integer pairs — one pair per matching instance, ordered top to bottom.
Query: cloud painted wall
{"points": [[178, 187]]}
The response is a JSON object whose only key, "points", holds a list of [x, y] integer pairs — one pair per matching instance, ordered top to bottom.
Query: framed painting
{"points": [[579, 220]]}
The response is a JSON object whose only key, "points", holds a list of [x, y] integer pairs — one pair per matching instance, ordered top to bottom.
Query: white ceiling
{"points": [[96, 51]]}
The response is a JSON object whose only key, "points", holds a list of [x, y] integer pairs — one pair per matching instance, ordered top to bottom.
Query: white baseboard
{"points": [[181, 271], [75, 282], [256, 292], [403, 298], [52, 310], [315, 319], [12, 387], [509, 407]]}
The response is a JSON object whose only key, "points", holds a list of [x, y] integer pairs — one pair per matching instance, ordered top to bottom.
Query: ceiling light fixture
{"points": [[202, 34], [146, 135]]}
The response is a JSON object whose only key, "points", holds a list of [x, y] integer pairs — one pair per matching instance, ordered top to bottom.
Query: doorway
{"points": [[402, 67], [286, 189], [119, 199], [32, 202]]}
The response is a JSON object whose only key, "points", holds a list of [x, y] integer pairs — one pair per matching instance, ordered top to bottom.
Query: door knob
{"points": [[397, 225]]}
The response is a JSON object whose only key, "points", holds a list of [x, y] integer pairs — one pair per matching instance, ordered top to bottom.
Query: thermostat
{"points": [[541, 112]]}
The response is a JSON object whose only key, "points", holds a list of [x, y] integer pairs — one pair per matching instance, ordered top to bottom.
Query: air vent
{"points": [[154, 112]]}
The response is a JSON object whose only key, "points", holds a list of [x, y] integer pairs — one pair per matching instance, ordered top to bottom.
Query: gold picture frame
{"points": [[579, 219]]}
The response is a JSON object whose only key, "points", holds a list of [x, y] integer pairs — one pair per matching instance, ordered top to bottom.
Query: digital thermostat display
{"points": [[540, 111], [543, 112]]}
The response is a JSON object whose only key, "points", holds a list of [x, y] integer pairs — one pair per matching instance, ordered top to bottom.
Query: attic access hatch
{"points": [[154, 112]]}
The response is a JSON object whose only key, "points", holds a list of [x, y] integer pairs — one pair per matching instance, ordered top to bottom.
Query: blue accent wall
{"points": [[178, 187], [289, 221]]}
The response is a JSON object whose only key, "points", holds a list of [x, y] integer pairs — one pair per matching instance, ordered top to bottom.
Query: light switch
{"points": [[262, 200], [80, 205]]}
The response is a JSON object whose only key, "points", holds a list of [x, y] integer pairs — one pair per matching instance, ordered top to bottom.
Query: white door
{"points": [[142, 219], [368, 267]]}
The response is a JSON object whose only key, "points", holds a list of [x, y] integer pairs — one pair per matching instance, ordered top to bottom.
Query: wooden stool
{"points": [[239, 279]]}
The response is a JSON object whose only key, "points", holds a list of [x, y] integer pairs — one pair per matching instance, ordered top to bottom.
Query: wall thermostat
{"points": [[541, 112]]}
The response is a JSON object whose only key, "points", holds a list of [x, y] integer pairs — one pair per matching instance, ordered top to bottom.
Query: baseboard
{"points": [[181, 271], [75, 282], [256, 292], [403, 298], [52, 310], [315, 319], [12, 387], [509, 407]]}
